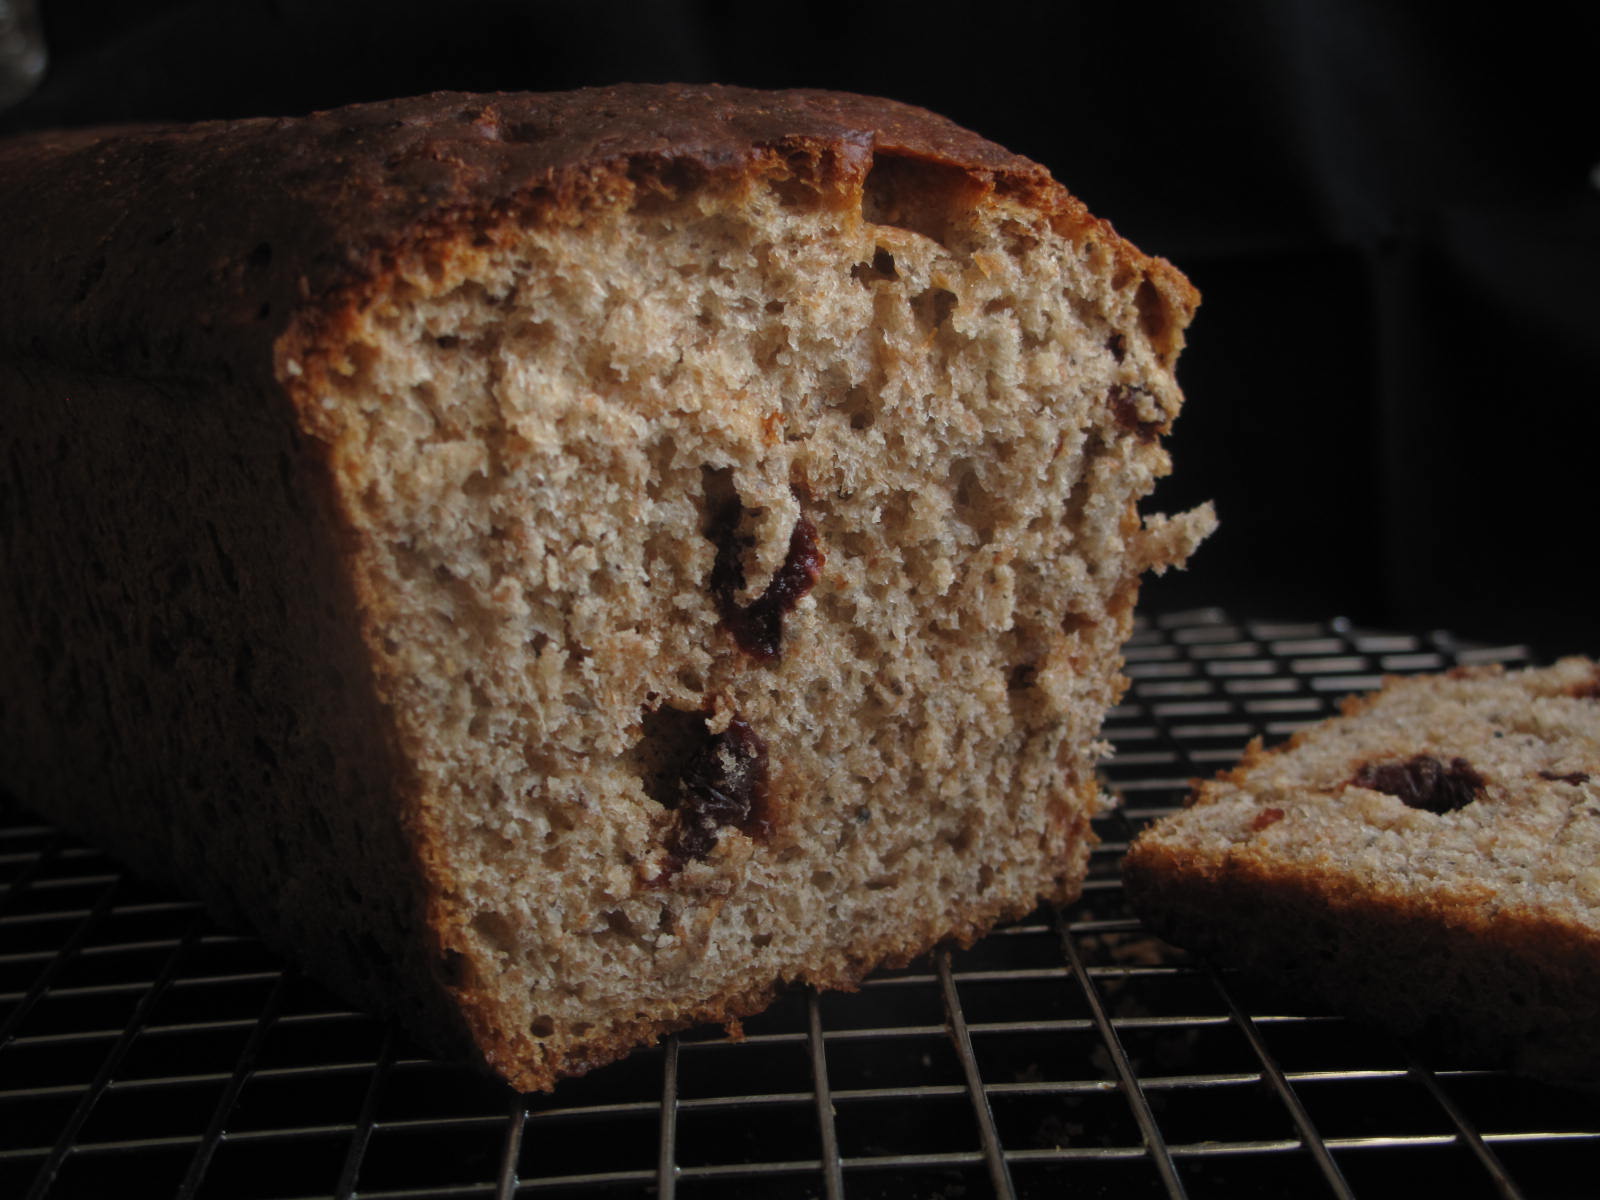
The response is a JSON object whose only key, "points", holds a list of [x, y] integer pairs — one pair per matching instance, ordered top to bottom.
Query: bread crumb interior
{"points": [[546, 418]]}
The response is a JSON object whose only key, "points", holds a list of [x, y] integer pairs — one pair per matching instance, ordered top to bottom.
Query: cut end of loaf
{"points": [[746, 556]]}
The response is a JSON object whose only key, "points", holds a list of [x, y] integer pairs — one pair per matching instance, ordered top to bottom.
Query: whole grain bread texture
{"points": [[563, 567], [1429, 861]]}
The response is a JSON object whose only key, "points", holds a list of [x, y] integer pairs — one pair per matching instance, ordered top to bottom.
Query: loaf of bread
{"points": [[562, 567], [1428, 861]]}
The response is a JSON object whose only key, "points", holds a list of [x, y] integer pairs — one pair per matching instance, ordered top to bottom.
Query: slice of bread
{"points": [[564, 566], [1429, 861]]}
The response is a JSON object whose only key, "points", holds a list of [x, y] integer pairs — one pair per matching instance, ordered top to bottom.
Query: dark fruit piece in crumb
{"points": [[757, 627], [1573, 777], [1424, 782], [725, 783]]}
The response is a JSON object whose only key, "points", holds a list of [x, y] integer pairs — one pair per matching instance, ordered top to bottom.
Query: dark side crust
{"points": [[1517, 988]]}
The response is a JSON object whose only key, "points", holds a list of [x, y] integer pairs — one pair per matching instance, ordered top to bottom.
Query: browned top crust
{"points": [[165, 249]]}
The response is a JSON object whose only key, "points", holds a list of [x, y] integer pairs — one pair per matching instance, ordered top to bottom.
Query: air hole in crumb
{"points": [[795, 192], [924, 197], [1019, 238], [882, 267], [933, 307], [1153, 317], [447, 341], [770, 345], [1124, 401], [860, 407], [717, 485], [973, 504], [661, 552], [1073, 623], [865, 644], [1021, 677], [480, 695], [668, 741], [539, 761], [822, 880], [617, 921], [496, 930], [761, 941], [542, 1026]]}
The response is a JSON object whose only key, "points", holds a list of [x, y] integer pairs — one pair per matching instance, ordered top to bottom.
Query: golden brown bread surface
{"points": [[565, 566], [1429, 861]]}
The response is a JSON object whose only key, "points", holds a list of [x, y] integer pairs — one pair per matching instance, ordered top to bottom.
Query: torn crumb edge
{"points": [[1168, 541]]}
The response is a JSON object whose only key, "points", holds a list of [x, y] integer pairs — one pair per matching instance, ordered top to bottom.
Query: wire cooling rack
{"points": [[145, 1051]]}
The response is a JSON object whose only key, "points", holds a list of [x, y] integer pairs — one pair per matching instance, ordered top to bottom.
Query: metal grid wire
{"points": [[145, 1050]]}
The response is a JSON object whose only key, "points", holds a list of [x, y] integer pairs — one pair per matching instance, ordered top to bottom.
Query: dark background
{"points": [[1392, 210]]}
